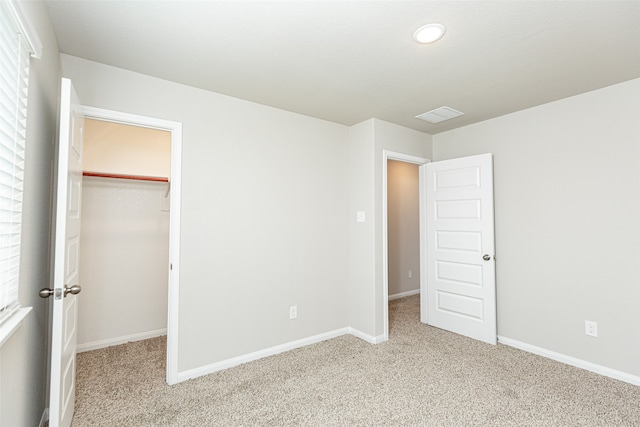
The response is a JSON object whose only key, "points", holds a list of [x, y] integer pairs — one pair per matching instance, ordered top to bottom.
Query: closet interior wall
{"points": [[125, 234]]}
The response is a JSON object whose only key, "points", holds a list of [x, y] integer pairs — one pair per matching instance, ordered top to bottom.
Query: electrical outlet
{"points": [[410, 274], [293, 312], [591, 328]]}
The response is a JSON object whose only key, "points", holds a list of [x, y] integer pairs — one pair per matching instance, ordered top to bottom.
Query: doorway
{"points": [[420, 162], [167, 195], [403, 228], [124, 236]]}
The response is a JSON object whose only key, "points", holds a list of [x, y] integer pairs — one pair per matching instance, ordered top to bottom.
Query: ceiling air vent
{"points": [[439, 115]]}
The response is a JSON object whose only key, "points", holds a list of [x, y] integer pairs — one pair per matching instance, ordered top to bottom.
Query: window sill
{"points": [[12, 324]]}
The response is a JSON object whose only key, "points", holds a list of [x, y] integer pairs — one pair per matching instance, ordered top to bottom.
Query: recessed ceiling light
{"points": [[429, 33]]}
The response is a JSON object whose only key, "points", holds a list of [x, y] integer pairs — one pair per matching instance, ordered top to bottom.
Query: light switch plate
{"points": [[360, 216]]}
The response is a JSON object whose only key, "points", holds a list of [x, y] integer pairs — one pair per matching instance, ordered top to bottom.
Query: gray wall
{"points": [[388, 136], [367, 141], [567, 203], [264, 205], [403, 219], [362, 259], [23, 359]]}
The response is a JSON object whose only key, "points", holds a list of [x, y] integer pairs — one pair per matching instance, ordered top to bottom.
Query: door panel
{"points": [[458, 241], [67, 251], [460, 283], [459, 305]]}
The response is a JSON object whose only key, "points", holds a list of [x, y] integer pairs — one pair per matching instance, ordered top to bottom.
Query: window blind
{"points": [[14, 76]]}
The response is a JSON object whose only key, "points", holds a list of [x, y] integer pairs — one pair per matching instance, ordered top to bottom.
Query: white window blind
{"points": [[14, 76]]}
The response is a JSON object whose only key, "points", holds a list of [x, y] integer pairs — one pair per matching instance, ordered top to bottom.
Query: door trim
{"points": [[421, 162], [174, 218]]}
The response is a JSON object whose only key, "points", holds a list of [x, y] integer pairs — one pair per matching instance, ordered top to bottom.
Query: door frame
{"points": [[421, 162], [174, 218]]}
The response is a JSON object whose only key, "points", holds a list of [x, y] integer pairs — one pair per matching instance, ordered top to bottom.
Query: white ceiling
{"points": [[348, 61]]}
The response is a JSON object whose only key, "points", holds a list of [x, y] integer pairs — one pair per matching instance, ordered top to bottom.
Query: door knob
{"points": [[486, 257], [74, 290], [46, 292]]}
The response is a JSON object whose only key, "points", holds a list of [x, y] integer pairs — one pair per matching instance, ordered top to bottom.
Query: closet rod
{"points": [[120, 176]]}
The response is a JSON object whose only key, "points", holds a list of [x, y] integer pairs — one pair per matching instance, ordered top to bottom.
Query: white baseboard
{"points": [[404, 294], [368, 338], [120, 340], [569, 360], [235, 361], [45, 417]]}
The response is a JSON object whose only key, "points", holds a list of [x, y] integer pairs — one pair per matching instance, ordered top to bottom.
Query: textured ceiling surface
{"points": [[348, 61]]}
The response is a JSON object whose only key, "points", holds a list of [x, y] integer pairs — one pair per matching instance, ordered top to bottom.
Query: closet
{"points": [[124, 240]]}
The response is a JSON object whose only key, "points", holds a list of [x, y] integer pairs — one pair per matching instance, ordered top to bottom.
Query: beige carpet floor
{"points": [[422, 376]]}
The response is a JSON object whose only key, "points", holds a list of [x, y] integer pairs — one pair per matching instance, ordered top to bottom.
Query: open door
{"points": [[66, 253], [461, 285]]}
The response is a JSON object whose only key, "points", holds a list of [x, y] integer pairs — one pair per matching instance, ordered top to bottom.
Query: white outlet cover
{"points": [[591, 328]]}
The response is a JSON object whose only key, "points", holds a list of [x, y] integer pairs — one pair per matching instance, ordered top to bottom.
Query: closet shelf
{"points": [[121, 176]]}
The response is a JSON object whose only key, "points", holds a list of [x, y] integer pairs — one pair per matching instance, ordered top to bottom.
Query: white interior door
{"points": [[67, 252], [461, 286]]}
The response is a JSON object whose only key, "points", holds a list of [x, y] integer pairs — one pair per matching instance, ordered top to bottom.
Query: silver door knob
{"points": [[486, 257], [74, 290], [46, 292]]}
